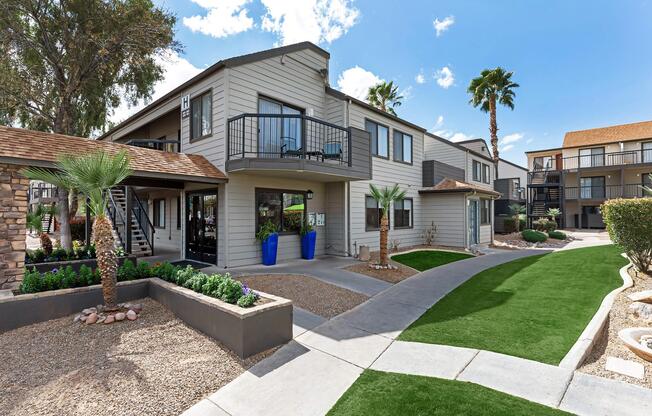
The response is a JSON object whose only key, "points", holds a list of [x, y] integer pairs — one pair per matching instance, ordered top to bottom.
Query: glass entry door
{"points": [[201, 226]]}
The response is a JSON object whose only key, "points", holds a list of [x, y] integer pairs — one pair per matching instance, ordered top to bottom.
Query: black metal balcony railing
{"points": [[278, 136], [630, 157], [38, 191], [605, 192]]}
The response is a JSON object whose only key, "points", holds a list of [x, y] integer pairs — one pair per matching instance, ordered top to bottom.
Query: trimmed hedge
{"points": [[629, 223], [557, 235], [533, 236]]}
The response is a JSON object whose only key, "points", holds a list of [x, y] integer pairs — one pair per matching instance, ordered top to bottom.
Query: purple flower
{"points": [[55, 270]]}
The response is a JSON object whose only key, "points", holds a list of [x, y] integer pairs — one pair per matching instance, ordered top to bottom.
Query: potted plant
{"points": [[268, 236], [308, 241]]}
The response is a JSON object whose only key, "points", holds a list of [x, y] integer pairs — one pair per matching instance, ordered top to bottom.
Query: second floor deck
{"points": [[627, 158]]}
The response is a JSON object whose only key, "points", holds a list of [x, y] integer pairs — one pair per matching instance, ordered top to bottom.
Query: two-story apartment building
{"points": [[295, 149], [591, 166]]}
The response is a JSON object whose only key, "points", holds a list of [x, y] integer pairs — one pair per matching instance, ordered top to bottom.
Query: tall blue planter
{"points": [[308, 242], [270, 247]]}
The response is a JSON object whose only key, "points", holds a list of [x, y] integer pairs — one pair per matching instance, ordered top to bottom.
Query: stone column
{"points": [[13, 217]]}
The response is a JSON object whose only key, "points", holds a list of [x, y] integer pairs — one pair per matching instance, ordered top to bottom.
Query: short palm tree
{"points": [[491, 87], [385, 97], [94, 175], [385, 197], [516, 210], [35, 223]]}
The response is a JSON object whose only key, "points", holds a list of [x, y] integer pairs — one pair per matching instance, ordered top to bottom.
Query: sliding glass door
{"points": [[278, 136]]}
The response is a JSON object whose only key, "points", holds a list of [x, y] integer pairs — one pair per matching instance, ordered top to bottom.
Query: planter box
{"points": [[75, 264], [245, 331]]}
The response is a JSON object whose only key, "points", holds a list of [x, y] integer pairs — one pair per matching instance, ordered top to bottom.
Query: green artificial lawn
{"points": [[427, 259], [534, 308], [376, 393]]}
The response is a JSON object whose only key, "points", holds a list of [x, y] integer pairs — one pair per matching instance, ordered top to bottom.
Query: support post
{"points": [[128, 217], [87, 227]]}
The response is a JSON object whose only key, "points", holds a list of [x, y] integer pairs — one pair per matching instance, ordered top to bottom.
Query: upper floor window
{"points": [[201, 110], [379, 138], [402, 147], [647, 152], [592, 157], [543, 163], [477, 171], [486, 173], [516, 187], [403, 213]]}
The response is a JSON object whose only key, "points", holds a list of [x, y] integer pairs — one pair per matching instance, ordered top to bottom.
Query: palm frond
{"points": [[56, 178], [386, 196]]}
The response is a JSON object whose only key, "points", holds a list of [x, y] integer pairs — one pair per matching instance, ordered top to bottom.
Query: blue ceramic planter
{"points": [[308, 242], [270, 247]]}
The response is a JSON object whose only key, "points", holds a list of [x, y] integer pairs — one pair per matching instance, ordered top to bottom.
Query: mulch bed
{"points": [[391, 276], [306, 292], [610, 345], [155, 365]]}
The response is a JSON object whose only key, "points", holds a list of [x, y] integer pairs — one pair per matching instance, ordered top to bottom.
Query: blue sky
{"points": [[580, 64]]}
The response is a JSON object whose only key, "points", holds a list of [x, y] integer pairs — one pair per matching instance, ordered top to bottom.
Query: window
{"points": [[201, 123], [277, 134], [379, 138], [402, 147], [647, 152], [592, 157], [543, 163], [477, 171], [486, 173], [647, 180], [516, 185], [592, 187], [286, 209], [485, 211], [159, 213], [178, 213], [403, 213], [372, 214]]}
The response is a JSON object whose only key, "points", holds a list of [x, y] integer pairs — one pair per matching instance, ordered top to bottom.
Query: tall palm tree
{"points": [[493, 85], [384, 96], [94, 175], [385, 197]]}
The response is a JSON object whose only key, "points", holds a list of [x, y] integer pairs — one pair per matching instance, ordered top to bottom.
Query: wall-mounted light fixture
{"points": [[309, 194]]}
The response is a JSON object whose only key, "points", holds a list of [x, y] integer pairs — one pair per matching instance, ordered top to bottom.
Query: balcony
{"points": [[291, 143], [163, 145], [612, 159], [605, 192], [42, 193]]}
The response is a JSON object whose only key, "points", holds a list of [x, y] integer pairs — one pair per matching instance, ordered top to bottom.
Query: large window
{"points": [[201, 124], [379, 138], [402, 147], [647, 152], [592, 157], [543, 163], [477, 171], [486, 173], [516, 186], [592, 187], [286, 209], [485, 211], [159, 213], [403, 213], [372, 214]]}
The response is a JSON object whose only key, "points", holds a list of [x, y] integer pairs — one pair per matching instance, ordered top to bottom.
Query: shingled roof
{"points": [[612, 134], [36, 148], [448, 185]]}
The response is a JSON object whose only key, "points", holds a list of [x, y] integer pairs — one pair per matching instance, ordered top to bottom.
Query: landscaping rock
{"points": [[644, 296], [138, 307], [641, 310], [89, 311], [131, 315], [120, 316], [77, 318], [83, 318], [91, 318], [100, 319], [109, 319]]}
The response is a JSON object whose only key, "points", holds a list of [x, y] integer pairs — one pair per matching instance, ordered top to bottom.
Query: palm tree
{"points": [[492, 85], [384, 96], [94, 175], [384, 198], [516, 210]]}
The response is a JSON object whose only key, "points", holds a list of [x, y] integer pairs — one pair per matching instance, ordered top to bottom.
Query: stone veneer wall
{"points": [[13, 217]]}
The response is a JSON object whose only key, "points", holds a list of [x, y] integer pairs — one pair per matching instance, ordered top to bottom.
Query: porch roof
{"points": [[36, 148], [448, 185]]}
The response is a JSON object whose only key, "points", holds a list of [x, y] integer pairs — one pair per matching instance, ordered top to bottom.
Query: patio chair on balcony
{"points": [[289, 147], [332, 151]]}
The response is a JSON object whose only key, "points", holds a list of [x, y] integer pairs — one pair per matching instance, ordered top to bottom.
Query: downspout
{"points": [[347, 192]]}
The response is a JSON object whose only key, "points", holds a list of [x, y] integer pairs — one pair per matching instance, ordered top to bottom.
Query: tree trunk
{"points": [[493, 128], [73, 206], [384, 227], [65, 236], [107, 261]]}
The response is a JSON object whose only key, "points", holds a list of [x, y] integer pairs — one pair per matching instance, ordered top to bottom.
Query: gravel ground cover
{"points": [[515, 241], [389, 275], [306, 292], [611, 346], [155, 365]]}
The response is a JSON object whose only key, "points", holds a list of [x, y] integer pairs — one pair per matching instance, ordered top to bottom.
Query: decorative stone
{"points": [[644, 296], [138, 307], [100, 308], [641, 310], [89, 311], [131, 315], [120, 316], [77, 318], [83, 318], [91, 319], [100, 319], [109, 319], [625, 367]]}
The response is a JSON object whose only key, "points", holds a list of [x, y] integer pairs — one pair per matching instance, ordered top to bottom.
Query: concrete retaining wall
{"points": [[75, 264]]}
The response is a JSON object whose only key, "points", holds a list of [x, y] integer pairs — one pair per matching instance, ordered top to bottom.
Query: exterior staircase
{"points": [[141, 243]]}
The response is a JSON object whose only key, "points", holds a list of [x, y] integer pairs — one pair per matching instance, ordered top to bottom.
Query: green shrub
{"points": [[629, 223], [545, 225], [266, 230], [557, 235], [533, 236], [35, 256], [143, 270], [127, 271], [165, 271], [184, 274], [85, 276], [68, 278], [52, 279], [32, 282], [196, 282], [212, 285], [230, 290], [247, 300]]}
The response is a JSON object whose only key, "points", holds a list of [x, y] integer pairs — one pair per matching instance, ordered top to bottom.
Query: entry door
{"points": [[201, 227], [474, 228]]}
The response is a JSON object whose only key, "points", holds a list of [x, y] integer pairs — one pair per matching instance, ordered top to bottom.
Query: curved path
{"points": [[308, 375]]}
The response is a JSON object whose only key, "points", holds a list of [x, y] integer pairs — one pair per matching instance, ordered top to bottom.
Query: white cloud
{"points": [[224, 18], [316, 21], [443, 25], [176, 70], [445, 77], [420, 78], [356, 82], [406, 93], [440, 122], [453, 136], [511, 138], [528, 141], [507, 148]]}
